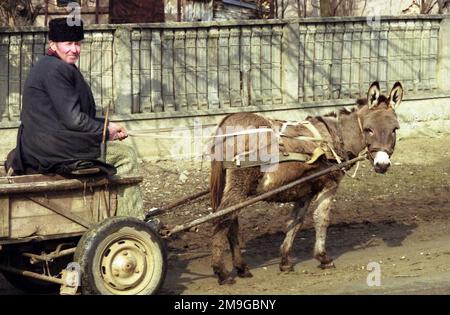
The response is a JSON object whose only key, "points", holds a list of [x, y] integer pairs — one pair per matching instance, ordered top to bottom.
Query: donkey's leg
{"points": [[237, 188], [296, 222], [321, 222], [219, 243], [235, 246]]}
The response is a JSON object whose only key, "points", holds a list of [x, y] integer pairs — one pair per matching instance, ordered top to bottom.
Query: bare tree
{"points": [[444, 6], [337, 7], [18, 12]]}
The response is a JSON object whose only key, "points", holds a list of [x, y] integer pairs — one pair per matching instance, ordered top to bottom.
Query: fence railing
{"points": [[192, 67]]}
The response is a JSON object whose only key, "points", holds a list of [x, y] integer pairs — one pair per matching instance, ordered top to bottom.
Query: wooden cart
{"points": [[63, 231]]}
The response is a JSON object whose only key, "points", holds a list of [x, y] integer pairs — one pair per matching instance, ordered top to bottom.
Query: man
{"points": [[58, 123]]}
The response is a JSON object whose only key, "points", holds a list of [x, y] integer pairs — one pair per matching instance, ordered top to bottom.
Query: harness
{"points": [[323, 148]]}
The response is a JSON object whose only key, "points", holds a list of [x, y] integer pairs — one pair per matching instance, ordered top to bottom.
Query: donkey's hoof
{"points": [[328, 265], [287, 268], [244, 273], [227, 280]]}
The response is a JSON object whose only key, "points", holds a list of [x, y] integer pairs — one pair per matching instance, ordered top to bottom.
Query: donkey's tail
{"points": [[217, 178], [216, 183]]}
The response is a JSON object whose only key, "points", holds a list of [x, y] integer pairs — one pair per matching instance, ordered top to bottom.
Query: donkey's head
{"points": [[378, 122]]}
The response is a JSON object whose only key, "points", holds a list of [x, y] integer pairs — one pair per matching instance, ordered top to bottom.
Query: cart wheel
{"points": [[121, 255]]}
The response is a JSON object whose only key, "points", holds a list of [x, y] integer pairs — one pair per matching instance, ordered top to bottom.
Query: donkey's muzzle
{"points": [[381, 162]]}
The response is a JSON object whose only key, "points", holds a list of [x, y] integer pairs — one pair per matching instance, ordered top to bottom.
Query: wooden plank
{"points": [[302, 30], [38, 46], [374, 46], [434, 46], [4, 47], [393, 54], [416, 55], [85, 57], [27, 59], [346, 59], [382, 59], [327, 61], [355, 64], [246, 65], [266, 65], [96, 67], [213, 68], [234, 68], [336, 68], [191, 69], [202, 69], [319, 69], [135, 70], [180, 70], [168, 71], [107, 72], [145, 72], [156, 72], [255, 72], [14, 77], [224, 78], [364, 78], [308, 82], [276, 84], [66, 184], [78, 202], [61, 210], [4, 216], [43, 226]]}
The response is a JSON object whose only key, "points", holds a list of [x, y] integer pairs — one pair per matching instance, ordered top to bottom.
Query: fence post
{"points": [[443, 61], [290, 62], [122, 71]]}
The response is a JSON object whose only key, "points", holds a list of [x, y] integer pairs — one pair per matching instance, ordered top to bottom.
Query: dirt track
{"points": [[400, 220]]}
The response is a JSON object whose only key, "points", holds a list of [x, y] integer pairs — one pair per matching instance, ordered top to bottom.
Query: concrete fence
{"points": [[150, 72]]}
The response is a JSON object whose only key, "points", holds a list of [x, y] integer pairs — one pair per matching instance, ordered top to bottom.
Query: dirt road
{"points": [[399, 220]]}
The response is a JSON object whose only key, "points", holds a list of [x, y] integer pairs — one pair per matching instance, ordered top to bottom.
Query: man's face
{"points": [[67, 51]]}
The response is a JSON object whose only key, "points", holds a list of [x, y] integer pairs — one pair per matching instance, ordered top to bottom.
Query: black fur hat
{"points": [[60, 31]]}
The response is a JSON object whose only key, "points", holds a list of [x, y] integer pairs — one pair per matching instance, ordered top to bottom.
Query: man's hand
{"points": [[116, 132]]}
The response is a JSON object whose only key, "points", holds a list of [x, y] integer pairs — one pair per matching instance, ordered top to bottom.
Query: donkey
{"points": [[370, 127]]}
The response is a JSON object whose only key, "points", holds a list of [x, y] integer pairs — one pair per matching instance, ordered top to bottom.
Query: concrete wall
{"points": [[156, 77]]}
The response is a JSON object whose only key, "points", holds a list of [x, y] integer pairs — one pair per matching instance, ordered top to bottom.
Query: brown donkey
{"points": [[369, 126]]}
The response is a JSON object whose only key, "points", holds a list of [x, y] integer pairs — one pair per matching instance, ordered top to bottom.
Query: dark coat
{"points": [[58, 120]]}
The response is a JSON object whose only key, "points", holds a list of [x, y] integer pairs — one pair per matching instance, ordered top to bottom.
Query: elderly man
{"points": [[58, 123]]}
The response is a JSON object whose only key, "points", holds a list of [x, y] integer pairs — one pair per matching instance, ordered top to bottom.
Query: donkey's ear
{"points": [[373, 94], [396, 95]]}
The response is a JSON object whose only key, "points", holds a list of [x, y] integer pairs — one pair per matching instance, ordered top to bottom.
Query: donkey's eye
{"points": [[369, 131]]}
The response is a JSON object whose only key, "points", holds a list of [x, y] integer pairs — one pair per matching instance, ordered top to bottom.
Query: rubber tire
{"points": [[87, 254]]}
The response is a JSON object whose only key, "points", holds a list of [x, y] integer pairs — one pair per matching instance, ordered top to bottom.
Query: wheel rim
{"points": [[126, 265]]}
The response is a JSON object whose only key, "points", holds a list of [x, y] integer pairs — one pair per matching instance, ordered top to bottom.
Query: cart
{"points": [[63, 231]]}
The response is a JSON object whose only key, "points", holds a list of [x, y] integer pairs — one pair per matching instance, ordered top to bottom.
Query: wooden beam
{"points": [[64, 184], [4, 216]]}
